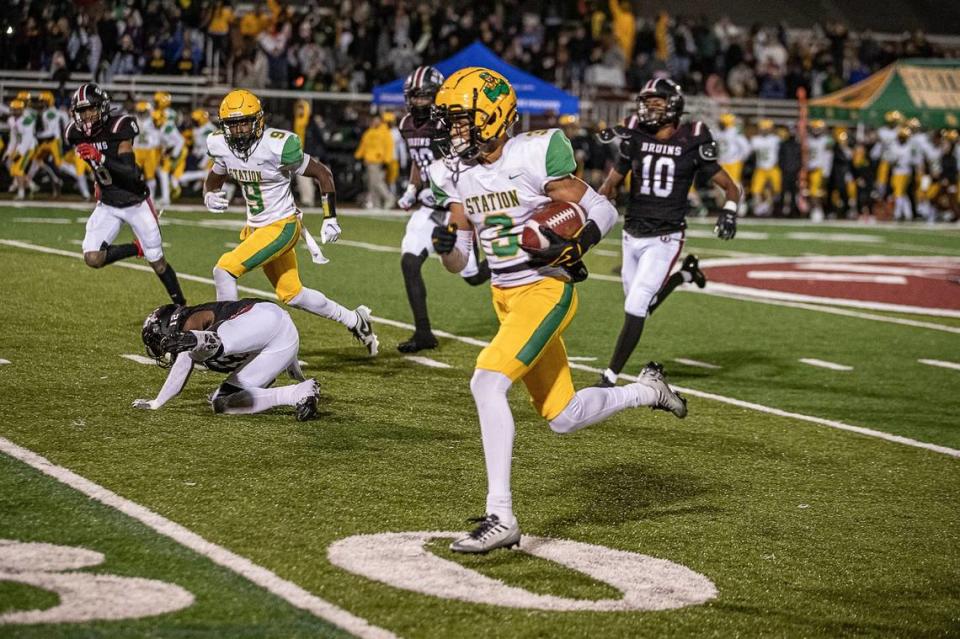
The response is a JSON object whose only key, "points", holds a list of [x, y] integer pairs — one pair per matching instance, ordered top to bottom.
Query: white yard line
{"points": [[43, 220], [139, 359], [4, 361], [426, 361], [695, 362], [939, 362], [825, 364], [869, 432], [266, 579]]}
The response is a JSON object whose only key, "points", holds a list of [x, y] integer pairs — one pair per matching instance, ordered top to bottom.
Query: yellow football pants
{"points": [[51, 148], [148, 159], [20, 162], [175, 166], [734, 170], [883, 172], [763, 177], [816, 183], [899, 183], [271, 247], [529, 346]]}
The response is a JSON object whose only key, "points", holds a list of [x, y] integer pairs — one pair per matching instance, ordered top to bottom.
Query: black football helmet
{"points": [[419, 90], [92, 101], [652, 118], [160, 325]]}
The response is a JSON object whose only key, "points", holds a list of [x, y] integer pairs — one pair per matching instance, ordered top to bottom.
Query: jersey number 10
{"points": [[661, 179]]}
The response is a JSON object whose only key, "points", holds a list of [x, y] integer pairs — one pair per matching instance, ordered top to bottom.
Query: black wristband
{"points": [[329, 203], [589, 236]]}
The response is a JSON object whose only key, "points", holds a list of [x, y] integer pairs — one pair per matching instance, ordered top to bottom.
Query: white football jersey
{"points": [[24, 127], [49, 127], [200, 134], [148, 137], [885, 137], [171, 140], [733, 145], [767, 148], [925, 151], [820, 153], [901, 157], [265, 176], [499, 197]]}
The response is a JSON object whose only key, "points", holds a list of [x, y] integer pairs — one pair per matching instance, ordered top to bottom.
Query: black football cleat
{"points": [[692, 266], [418, 342], [307, 408]]}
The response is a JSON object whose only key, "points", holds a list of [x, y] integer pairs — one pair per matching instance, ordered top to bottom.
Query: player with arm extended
{"points": [[104, 140], [423, 140], [664, 156], [262, 161], [492, 183], [252, 340]]}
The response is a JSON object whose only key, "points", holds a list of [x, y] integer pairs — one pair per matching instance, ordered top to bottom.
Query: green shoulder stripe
{"points": [[292, 151], [560, 160], [439, 193]]}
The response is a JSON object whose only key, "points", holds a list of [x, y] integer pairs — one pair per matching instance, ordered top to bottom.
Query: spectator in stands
{"points": [[624, 26], [218, 28], [126, 61], [157, 64]]}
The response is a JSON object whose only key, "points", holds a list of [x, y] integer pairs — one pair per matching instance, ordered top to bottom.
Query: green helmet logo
{"points": [[494, 87]]}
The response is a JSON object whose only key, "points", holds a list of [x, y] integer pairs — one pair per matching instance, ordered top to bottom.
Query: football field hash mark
{"points": [[139, 359], [4, 361], [426, 361], [695, 362], [929, 362], [825, 364], [820, 421], [266, 579]]}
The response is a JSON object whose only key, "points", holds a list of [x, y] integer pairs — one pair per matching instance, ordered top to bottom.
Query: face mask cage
{"points": [[243, 141]]}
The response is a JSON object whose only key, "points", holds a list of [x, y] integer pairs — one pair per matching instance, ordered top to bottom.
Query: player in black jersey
{"points": [[423, 137], [104, 140], [664, 156], [254, 340]]}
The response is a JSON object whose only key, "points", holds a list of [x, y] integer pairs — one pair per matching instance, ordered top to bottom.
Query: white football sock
{"points": [[164, 179], [226, 285], [319, 304], [610, 376], [489, 390], [257, 400], [592, 405]]}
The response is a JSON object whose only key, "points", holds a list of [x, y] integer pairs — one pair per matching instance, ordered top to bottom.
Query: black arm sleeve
{"points": [[625, 157], [126, 172], [589, 236]]}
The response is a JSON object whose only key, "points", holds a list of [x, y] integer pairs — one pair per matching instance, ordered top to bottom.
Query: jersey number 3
{"points": [[660, 178]]}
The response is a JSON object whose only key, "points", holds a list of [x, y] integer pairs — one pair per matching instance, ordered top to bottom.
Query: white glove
{"points": [[409, 198], [427, 198], [216, 201], [329, 231], [146, 404]]}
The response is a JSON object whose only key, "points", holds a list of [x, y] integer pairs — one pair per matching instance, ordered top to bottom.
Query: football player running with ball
{"points": [[420, 133], [104, 140], [665, 157], [262, 161], [492, 182], [253, 340]]}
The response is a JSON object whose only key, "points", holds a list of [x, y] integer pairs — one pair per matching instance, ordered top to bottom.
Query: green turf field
{"points": [[804, 529]]}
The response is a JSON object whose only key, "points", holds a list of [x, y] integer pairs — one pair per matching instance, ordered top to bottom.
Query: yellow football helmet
{"points": [[24, 96], [46, 98], [162, 99], [483, 101], [16, 106], [143, 109], [200, 116], [159, 117], [893, 117], [727, 120], [243, 123], [914, 124], [765, 125], [818, 126], [903, 131], [840, 135], [951, 135]]}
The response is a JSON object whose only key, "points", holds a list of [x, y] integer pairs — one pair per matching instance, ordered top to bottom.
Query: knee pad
{"points": [[485, 382]]}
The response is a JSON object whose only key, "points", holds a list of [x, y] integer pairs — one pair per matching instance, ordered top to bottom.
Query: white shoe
{"points": [[363, 331], [667, 399], [489, 535]]}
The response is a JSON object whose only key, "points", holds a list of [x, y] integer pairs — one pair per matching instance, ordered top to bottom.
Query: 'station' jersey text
{"points": [[264, 177], [498, 199]]}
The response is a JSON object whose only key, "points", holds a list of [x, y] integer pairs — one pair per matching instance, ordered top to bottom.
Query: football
{"points": [[563, 218]]}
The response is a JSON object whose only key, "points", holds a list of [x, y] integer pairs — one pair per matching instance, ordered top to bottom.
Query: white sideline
{"points": [[929, 362], [869, 432], [286, 590]]}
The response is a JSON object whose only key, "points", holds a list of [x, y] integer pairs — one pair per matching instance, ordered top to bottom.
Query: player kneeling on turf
{"points": [[253, 340]]}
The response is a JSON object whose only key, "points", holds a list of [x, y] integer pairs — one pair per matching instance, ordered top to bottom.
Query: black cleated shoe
{"points": [[692, 266], [363, 331], [418, 342], [307, 408]]}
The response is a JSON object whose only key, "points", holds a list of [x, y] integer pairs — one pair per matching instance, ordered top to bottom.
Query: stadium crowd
{"points": [[352, 46]]}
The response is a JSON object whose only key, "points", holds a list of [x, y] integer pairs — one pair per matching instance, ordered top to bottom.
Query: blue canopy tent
{"points": [[534, 96]]}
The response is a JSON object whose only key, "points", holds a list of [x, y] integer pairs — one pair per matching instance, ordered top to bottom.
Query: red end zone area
{"points": [[927, 285]]}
